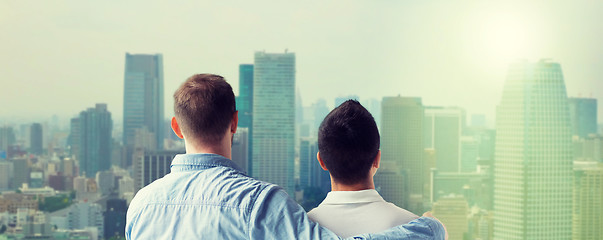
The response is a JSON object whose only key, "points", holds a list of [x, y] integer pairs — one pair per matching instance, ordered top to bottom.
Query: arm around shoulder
{"points": [[420, 228]]}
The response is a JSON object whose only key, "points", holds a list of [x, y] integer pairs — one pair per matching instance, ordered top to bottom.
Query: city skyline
{"points": [[404, 55], [487, 111]]}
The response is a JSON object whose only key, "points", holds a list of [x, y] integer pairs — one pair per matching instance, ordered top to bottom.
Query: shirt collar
{"points": [[200, 161], [345, 197]]}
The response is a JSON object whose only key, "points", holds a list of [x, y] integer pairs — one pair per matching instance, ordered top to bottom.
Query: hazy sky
{"points": [[60, 57]]}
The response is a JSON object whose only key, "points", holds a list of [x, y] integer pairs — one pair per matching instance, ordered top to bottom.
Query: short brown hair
{"points": [[204, 106]]}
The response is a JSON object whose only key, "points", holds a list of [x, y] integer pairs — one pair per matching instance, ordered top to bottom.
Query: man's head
{"points": [[204, 106], [348, 143]]}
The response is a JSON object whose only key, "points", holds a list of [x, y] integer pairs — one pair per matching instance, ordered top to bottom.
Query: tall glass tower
{"points": [[143, 97], [245, 99], [245, 107], [583, 115], [402, 120], [273, 123], [95, 127], [443, 130], [36, 140], [533, 156]]}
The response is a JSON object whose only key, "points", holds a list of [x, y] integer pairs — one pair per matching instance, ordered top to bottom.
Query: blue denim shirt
{"points": [[206, 196]]}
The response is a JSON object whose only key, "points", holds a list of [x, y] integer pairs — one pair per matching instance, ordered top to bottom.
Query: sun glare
{"points": [[505, 37]]}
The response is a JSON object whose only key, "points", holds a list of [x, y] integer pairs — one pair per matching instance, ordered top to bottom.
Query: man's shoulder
{"points": [[224, 185]]}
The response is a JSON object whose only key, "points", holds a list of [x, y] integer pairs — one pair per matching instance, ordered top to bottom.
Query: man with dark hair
{"points": [[348, 147], [207, 196]]}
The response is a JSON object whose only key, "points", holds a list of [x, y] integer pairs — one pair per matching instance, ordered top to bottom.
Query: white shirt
{"points": [[348, 213]]}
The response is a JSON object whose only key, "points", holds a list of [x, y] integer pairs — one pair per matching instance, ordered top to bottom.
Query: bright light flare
{"points": [[505, 37]]}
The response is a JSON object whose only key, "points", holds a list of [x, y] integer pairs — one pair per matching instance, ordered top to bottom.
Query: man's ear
{"points": [[235, 122], [176, 128], [377, 160], [322, 164]]}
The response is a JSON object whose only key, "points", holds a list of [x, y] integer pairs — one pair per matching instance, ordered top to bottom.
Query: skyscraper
{"points": [[143, 97], [245, 99], [374, 107], [245, 108], [320, 112], [583, 115], [95, 126], [443, 129], [273, 135], [7, 138], [35, 138], [74, 138], [402, 142], [240, 148], [306, 149], [533, 156], [150, 166], [21, 172], [311, 173], [6, 175], [393, 184], [588, 201], [452, 210], [115, 217]]}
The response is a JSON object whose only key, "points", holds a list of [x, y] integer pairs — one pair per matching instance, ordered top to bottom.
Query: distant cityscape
{"points": [[538, 174]]}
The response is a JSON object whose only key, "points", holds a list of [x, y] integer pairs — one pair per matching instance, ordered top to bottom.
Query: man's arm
{"points": [[275, 215], [420, 228]]}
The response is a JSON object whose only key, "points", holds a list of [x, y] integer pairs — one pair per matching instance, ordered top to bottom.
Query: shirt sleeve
{"points": [[275, 215], [420, 228]]}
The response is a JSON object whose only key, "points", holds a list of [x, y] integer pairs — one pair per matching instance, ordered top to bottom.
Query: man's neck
{"points": [[221, 149], [364, 185]]}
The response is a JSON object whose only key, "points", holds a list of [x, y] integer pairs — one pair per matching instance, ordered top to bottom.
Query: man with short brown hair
{"points": [[207, 196]]}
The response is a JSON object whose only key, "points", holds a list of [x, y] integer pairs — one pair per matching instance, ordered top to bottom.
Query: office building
{"points": [[143, 98], [245, 98], [245, 107], [374, 107], [320, 110], [583, 116], [95, 128], [443, 129], [273, 135], [7, 138], [74, 138], [35, 139], [402, 143], [240, 148], [589, 148], [306, 149], [469, 153], [533, 156], [150, 166], [21, 172], [311, 173], [6, 174], [36, 179], [105, 181], [393, 185], [476, 187], [12, 202], [453, 211], [85, 214], [115, 218], [587, 219]]}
